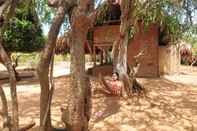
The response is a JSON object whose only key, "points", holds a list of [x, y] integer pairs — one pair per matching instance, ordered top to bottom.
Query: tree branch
{"points": [[56, 3], [12, 9], [135, 66], [27, 127]]}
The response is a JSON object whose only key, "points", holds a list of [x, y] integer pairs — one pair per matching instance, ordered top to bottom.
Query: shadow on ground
{"points": [[167, 106]]}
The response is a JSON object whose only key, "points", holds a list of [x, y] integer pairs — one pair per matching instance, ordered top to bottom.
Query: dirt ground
{"points": [[170, 104]]}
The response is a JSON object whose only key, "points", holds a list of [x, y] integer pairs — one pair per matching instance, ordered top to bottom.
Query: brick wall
{"points": [[106, 34], [149, 62], [149, 66]]}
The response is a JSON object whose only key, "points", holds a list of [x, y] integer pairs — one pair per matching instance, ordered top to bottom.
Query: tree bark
{"points": [[11, 13], [80, 23], [120, 47], [8, 63], [43, 68], [77, 98], [4, 102], [4, 113]]}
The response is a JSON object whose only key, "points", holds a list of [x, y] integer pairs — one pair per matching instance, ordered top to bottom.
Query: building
{"points": [[160, 57]]}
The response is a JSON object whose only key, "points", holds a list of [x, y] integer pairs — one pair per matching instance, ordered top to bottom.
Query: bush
{"points": [[23, 33]]}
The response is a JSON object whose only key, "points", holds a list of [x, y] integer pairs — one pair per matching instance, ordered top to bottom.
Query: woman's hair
{"points": [[116, 74]]}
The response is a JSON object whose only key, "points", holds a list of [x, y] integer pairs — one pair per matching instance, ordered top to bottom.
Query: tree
{"points": [[12, 5], [82, 19], [23, 31], [120, 45], [43, 66], [4, 113]]}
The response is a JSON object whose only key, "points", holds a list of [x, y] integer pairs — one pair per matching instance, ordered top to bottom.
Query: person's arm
{"points": [[106, 83]]}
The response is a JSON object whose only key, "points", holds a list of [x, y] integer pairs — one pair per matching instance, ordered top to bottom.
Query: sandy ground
{"points": [[170, 104]]}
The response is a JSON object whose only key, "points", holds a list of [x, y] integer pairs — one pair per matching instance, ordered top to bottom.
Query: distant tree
{"points": [[23, 32]]}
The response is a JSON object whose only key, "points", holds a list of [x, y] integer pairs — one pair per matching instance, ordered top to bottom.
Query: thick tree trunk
{"points": [[80, 23], [120, 47], [115, 52], [121, 65], [43, 69], [77, 121]]}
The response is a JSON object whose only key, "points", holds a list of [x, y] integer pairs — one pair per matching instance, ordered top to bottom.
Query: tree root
{"points": [[137, 88], [27, 127]]}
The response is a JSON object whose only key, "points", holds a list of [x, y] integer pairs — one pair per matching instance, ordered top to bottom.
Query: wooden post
{"points": [[94, 55], [101, 59]]}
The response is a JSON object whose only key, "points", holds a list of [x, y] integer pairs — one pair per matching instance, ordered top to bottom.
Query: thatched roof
{"points": [[108, 14], [63, 45]]}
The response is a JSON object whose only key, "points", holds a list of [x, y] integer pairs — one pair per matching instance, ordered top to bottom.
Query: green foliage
{"points": [[102, 13], [163, 13], [46, 14], [166, 14], [23, 32], [191, 36], [192, 39], [27, 59], [31, 59]]}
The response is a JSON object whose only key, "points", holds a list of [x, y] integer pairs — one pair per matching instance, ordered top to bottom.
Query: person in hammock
{"points": [[113, 86]]}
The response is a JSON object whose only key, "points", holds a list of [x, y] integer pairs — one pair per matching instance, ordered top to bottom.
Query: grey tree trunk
{"points": [[120, 46]]}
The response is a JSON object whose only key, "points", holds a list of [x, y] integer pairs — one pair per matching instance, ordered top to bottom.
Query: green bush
{"points": [[23, 33]]}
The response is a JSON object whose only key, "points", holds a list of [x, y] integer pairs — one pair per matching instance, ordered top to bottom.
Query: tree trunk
{"points": [[80, 23], [115, 52], [120, 53], [8, 63], [43, 69], [4, 102], [76, 108], [4, 113]]}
